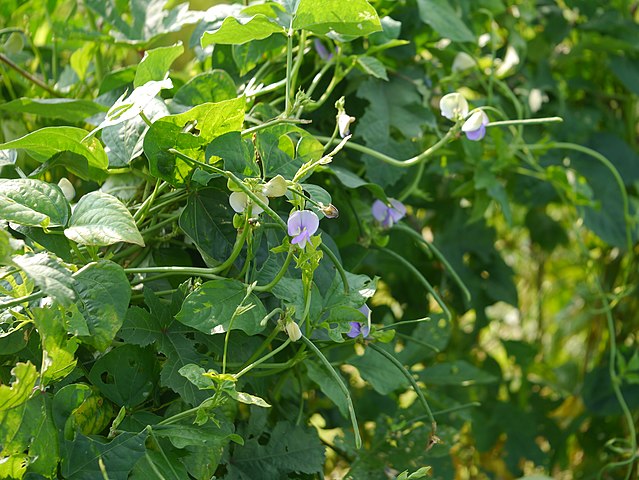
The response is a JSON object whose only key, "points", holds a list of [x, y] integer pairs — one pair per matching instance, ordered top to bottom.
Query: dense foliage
{"points": [[304, 238]]}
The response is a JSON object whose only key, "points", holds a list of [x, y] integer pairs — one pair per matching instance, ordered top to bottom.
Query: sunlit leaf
{"points": [[33, 203]]}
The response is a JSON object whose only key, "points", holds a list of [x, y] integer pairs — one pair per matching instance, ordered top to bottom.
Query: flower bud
{"points": [[343, 124], [330, 211], [293, 331]]}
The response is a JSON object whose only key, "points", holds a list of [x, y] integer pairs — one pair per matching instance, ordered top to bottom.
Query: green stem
{"points": [[289, 68], [35, 80], [525, 121], [270, 123], [452, 133], [435, 251], [174, 270], [280, 274], [422, 280], [20, 300], [236, 313], [254, 364], [412, 381], [342, 387]]}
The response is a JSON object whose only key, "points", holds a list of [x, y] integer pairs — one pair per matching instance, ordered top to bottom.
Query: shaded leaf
{"points": [[441, 16]]}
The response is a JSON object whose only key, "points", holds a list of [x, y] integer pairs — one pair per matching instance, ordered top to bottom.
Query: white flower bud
{"points": [[343, 124], [293, 331]]}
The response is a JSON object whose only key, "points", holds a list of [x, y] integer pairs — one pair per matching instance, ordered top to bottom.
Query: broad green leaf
{"points": [[441, 16], [355, 17], [147, 19], [244, 27], [156, 63], [372, 66], [626, 71], [208, 87], [129, 107], [70, 110], [210, 119], [49, 141], [123, 142], [238, 154], [276, 160], [350, 180], [33, 203], [101, 219], [207, 219], [54, 243], [5, 248], [49, 274], [104, 293], [210, 307], [57, 350], [376, 369], [458, 372], [195, 374], [24, 378], [328, 385], [128, 386], [67, 408], [29, 429], [203, 435], [289, 448], [81, 457]]}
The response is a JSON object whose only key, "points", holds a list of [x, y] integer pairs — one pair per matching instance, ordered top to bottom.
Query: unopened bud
{"points": [[343, 124], [330, 211], [293, 331]]}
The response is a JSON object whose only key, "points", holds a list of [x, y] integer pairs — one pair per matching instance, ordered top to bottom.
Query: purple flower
{"points": [[322, 51], [475, 126], [388, 215], [301, 225], [358, 328]]}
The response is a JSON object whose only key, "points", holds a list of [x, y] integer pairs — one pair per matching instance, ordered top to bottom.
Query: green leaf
{"points": [[355, 17], [147, 19], [444, 20], [244, 28], [156, 63], [373, 67], [208, 87], [129, 107], [70, 110], [210, 119], [49, 141], [123, 142], [237, 154], [350, 180], [33, 203], [101, 219], [207, 219], [51, 241], [49, 274], [104, 293], [210, 308], [57, 349], [458, 372], [383, 376], [328, 385], [128, 386], [19, 391], [247, 398], [29, 429], [201, 435], [289, 448], [81, 457]]}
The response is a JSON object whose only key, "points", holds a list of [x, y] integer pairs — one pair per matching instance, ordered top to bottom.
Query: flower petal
{"points": [[453, 106], [275, 187], [238, 201], [379, 210], [355, 329]]}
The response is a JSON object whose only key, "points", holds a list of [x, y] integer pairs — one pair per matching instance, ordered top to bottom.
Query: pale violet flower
{"points": [[322, 51], [453, 106], [343, 124], [475, 126], [240, 200], [388, 215], [302, 224], [357, 328]]}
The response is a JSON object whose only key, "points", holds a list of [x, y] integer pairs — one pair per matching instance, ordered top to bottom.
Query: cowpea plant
{"points": [[180, 297]]}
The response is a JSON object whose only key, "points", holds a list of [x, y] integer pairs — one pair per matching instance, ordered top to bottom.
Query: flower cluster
{"points": [[454, 107], [275, 187]]}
